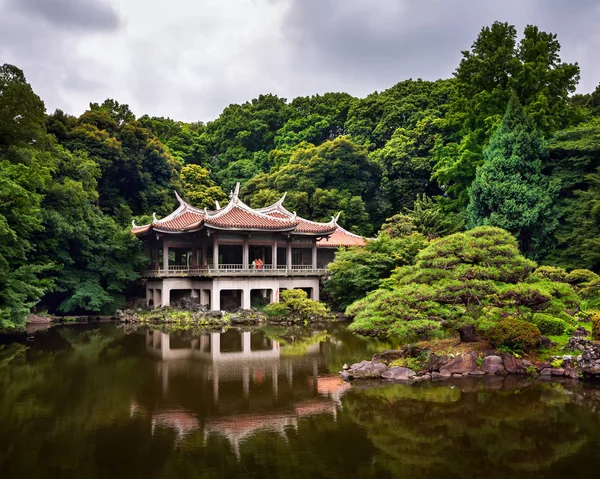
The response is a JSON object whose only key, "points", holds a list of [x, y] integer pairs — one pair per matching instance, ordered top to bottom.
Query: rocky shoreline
{"points": [[583, 363]]}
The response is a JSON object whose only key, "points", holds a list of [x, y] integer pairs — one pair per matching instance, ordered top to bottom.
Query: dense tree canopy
{"points": [[422, 157]]}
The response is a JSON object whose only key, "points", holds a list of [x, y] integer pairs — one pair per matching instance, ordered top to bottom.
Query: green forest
{"points": [[505, 142]]}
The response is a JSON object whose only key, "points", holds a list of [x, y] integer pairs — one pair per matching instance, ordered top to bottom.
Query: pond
{"points": [[106, 401]]}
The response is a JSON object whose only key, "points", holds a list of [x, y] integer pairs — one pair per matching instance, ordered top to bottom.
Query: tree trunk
{"points": [[467, 334]]}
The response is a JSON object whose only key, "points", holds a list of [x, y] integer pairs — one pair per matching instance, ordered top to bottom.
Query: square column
{"points": [[215, 253], [166, 254], [245, 254], [274, 254], [288, 254], [314, 256], [204, 260], [194, 261], [246, 298], [215, 299]]}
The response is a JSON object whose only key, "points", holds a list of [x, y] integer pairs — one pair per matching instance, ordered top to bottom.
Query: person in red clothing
{"points": [[259, 263]]}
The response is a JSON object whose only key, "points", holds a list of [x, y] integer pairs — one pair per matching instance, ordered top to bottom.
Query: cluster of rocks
{"points": [[588, 358], [444, 367]]}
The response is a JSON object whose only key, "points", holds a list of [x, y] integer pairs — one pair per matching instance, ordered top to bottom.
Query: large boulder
{"points": [[35, 319], [435, 362], [464, 363], [492, 365], [366, 370], [398, 373]]}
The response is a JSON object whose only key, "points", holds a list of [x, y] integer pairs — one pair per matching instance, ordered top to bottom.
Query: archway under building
{"points": [[259, 298], [231, 299]]}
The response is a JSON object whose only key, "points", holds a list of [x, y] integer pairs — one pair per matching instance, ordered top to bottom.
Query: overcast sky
{"points": [[188, 59]]}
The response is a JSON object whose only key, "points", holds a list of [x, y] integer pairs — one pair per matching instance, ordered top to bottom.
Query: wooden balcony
{"points": [[183, 271]]}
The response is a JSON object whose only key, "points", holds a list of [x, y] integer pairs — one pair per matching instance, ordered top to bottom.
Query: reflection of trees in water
{"points": [[54, 403], [68, 409], [430, 430]]}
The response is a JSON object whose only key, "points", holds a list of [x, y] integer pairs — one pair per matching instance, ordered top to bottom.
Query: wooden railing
{"points": [[233, 270]]}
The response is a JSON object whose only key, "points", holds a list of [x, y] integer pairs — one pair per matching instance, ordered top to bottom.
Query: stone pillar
{"points": [[215, 252], [166, 254], [245, 254], [274, 254], [288, 255], [314, 255], [194, 261], [204, 261], [315, 292], [195, 293], [149, 295], [275, 295], [166, 296], [204, 296], [215, 298], [246, 298], [157, 300]]}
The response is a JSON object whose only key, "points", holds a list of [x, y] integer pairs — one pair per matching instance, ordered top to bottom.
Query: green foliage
{"points": [[495, 69], [340, 166], [199, 189], [510, 191], [425, 217], [356, 271], [478, 276], [295, 303], [595, 320], [549, 325], [514, 334]]}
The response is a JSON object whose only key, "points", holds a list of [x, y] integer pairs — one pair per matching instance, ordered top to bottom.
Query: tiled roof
{"points": [[239, 216], [183, 221], [341, 237]]}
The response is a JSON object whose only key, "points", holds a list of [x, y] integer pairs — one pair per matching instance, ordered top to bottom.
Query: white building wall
{"points": [[160, 289]]}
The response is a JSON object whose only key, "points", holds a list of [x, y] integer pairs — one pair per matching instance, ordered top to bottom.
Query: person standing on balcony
{"points": [[259, 263], [253, 264]]}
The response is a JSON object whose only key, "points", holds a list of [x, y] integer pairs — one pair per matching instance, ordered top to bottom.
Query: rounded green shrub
{"points": [[549, 325], [514, 334]]}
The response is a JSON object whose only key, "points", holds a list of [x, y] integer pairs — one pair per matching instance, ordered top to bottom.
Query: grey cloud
{"points": [[79, 14], [373, 45], [192, 62]]}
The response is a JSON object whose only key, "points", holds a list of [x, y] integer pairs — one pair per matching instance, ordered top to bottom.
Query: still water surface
{"points": [[107, 402]]}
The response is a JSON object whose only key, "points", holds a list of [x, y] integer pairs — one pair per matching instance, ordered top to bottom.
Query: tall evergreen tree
{"points": [[510, 191]]}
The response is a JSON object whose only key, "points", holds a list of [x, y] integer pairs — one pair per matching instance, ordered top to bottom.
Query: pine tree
{"points": [[510, 191]]}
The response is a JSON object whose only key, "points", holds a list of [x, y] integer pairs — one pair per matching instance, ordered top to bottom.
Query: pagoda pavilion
{"points": [[236, 253]]}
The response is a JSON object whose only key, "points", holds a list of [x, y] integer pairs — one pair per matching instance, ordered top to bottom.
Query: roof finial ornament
{"points": [[236, 193], [230, 194], [179, 198], [280, 201], [217, 204], [205, 211], [294, 216], [154, 218], [335, 220], [133, 225]]}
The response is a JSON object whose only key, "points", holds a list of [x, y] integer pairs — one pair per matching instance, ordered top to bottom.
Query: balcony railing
{"points": [[233, 270]]}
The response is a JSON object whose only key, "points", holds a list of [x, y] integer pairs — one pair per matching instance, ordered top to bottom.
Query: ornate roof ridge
{"points": [[235, 201], [278, 206]]}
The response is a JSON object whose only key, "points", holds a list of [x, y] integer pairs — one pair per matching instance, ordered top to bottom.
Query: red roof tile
{"points": [[239, 217], [180, 222], [341, 237]]}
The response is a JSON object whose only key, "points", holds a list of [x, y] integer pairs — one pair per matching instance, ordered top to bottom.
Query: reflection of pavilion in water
{"points": [[236, 383]]}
